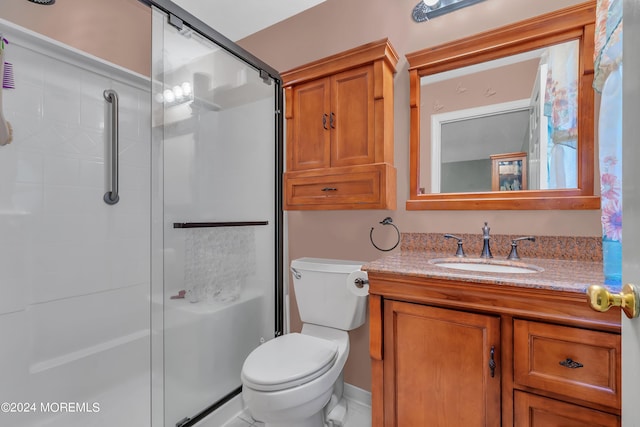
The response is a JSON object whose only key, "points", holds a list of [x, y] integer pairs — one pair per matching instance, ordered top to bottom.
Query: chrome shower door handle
{"points": [[111, 197]]}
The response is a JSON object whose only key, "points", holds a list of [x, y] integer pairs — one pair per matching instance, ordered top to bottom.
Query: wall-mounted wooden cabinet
{"points": [[339, 113], [455, 353]]}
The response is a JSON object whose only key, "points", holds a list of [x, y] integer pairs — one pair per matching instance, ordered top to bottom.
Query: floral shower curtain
{"points": [[608, 82], [561, 107]]}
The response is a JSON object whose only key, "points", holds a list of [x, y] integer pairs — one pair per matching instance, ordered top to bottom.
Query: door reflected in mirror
{"points": [[525, 103]]}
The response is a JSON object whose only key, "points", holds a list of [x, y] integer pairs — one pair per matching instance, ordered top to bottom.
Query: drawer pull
{"points": [[324, 122], [329, 189], [492, 362], [571, 364]]}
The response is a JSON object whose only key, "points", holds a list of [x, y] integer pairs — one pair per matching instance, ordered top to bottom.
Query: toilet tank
{"points": [[323, 293]]}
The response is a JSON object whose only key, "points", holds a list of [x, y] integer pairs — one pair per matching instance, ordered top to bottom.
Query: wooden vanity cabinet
{"points": [[339, 114], [452, 353]]}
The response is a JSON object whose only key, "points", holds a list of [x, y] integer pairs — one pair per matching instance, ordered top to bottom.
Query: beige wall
{"points": [[336, 25], [118, 31]]}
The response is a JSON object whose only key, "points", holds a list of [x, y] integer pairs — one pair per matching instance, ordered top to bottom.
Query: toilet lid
{"points": [[288, 361]]}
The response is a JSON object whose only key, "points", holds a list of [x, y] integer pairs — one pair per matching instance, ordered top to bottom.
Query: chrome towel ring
{"points": [[386, 221]]}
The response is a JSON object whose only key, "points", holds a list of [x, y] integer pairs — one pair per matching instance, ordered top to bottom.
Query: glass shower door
{"points": [[215, 132]]}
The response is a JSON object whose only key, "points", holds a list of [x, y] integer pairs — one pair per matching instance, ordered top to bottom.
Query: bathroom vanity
{"points": [[480, 348]]}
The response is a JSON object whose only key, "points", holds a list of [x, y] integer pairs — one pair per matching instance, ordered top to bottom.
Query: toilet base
{"points": [[338, 415], [316, 420]]}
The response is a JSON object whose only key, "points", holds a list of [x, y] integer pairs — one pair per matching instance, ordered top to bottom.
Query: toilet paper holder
{"points": [[360, 282]]}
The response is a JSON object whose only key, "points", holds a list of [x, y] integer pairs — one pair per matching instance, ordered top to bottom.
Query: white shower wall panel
{"points": [[240, 138], [202, 182], [14, 271], [74, 272]]}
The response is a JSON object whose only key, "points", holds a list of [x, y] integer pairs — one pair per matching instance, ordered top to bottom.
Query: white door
{"points": [[631, 210]]}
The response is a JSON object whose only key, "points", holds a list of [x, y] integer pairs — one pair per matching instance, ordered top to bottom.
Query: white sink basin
{"points": [[486, 266]]}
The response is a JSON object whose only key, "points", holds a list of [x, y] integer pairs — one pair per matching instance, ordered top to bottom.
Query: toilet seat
{"points": [[288, 361]]}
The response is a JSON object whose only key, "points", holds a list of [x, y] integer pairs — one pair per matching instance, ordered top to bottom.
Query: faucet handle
{"points": [[485, 230], [459, 251], [513, 255]]}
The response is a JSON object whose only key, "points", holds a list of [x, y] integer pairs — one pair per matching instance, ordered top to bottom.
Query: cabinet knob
{"points": [[602, 300]]}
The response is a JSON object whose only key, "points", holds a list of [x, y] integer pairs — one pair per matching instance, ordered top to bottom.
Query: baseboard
{"points": [[357, 394]]}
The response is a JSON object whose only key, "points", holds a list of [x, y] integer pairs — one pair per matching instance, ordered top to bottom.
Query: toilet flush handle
{"points": [[296, 273]]}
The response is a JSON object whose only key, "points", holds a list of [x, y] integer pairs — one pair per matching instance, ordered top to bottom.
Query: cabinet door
{"points": [[352, 118], [311, 133], [437, 367], [531, 410]]}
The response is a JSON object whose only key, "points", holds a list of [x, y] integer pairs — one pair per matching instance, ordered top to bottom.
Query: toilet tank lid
{"points": [[326, 264]]}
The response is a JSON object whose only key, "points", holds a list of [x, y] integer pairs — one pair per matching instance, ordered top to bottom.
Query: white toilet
{"points": [[296, 379]]}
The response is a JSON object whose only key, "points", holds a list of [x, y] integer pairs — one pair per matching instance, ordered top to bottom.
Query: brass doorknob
{"points": [[602, 300]]}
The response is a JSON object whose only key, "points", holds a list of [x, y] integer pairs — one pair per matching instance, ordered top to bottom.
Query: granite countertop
{"points": [[562, 275], [569, 275]]}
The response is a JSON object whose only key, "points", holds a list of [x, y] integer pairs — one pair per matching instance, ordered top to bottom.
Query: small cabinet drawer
{"points": [[356, 187], [568, 361], [537, 411]]}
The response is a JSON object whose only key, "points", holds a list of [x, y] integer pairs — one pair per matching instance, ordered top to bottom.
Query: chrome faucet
{"points": [[486, 249], [460, 251], [513, 255]]}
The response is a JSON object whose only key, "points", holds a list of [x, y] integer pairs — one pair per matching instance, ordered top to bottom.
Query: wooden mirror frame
{"points": [[572, 23]]}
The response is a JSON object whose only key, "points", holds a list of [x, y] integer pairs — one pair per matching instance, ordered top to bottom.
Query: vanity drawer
{"points": [[568, 361], [530, 410]]}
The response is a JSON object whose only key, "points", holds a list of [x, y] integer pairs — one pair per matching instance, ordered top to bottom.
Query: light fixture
{"points": [[429, 9], [177, 95]]}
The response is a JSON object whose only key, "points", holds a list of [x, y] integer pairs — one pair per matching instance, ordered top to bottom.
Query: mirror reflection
{"points": [[504, 125]]}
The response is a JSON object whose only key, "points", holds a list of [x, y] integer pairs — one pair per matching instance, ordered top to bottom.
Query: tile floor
{"points": [[359, 415]]}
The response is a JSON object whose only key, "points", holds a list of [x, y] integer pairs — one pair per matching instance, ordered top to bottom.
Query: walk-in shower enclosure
{"points": [[140, 228]]}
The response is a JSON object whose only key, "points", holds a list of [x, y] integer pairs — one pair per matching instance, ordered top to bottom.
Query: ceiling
{"points": [[236, 19]]}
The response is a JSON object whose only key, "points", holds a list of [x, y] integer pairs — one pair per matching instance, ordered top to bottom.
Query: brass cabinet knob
{"points": [[602, 300]]}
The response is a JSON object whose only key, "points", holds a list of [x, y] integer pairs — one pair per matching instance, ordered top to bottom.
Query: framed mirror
{"points": [[505, 119]]}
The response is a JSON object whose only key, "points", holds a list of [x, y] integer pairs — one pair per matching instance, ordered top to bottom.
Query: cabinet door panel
{"points": [[352, 118], [311, 131], [439, 363], [531, 410]]}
